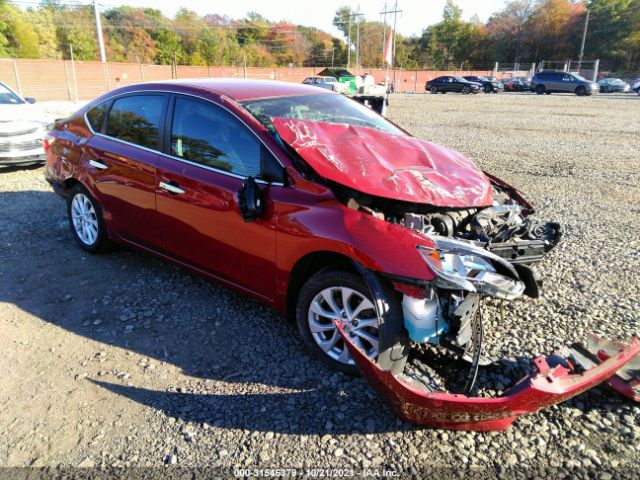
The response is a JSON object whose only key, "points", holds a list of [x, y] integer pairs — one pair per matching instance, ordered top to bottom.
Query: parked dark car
{"points": [[548, 82], [446, 84], [489, 84], [517, 84], [612, 85]]}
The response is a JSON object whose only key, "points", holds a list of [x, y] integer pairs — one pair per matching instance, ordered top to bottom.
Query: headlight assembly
{"points": [[461, 265]]}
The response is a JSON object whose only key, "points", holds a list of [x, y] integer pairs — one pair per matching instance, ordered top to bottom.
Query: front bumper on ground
{"points": [[559, 377]]}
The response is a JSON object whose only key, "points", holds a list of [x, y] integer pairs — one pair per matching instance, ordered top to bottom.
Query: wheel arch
{"points": [[307, 266]]}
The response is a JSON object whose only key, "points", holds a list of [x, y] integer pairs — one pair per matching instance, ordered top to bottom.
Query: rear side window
{"points": [[95, 116], [136, 119], [206, 134]]}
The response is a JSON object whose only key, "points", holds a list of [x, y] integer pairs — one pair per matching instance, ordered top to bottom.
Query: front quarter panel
{"points": [[309, 222]]}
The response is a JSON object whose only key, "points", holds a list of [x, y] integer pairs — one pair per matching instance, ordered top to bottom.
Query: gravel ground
{"points": [[123, 360]]}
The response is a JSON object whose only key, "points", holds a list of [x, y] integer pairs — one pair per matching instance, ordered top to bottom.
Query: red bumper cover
{"points": [[556, 380]]}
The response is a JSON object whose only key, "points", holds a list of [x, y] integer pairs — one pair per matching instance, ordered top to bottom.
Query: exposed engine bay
{"points": [[505, 228]]}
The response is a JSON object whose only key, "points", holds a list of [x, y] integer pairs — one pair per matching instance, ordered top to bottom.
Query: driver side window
{"points": [[206, 134]]}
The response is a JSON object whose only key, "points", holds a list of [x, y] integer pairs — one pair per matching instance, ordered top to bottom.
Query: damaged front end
{"points": [[478, 239], [558, 377]]}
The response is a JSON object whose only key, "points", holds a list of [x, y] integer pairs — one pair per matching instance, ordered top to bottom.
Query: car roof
{"points": [[244, 89]]}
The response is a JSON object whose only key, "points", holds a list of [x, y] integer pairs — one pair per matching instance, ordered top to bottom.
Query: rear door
{"points": [[208, 154], [121, 158]]}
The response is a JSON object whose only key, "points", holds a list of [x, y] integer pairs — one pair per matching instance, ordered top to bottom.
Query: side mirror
{"points": [[30, 100], [250, 200]]}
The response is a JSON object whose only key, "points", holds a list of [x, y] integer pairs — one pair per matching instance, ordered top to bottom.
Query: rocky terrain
{"points": [[123, 360]]}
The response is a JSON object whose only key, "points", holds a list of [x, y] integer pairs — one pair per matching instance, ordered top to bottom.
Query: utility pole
{"points": [[395, 12], [357, 16], [384, 30], [584, 38], [349, 43], [333, 54], [103, 56]]}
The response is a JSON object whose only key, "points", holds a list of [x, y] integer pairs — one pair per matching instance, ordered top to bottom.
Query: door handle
{"points": [[98, 165], [172, 188]]}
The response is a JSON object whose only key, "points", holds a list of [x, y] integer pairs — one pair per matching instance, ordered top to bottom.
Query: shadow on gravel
{"points": [[17, 168], [136, 302], [291, 412]]}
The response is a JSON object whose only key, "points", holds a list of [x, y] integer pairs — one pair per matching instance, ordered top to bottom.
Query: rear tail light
{"points": [[48, 141]]}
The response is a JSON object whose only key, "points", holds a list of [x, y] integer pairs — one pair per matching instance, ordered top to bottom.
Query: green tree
{"points": [[43, 22], [76, 27]]}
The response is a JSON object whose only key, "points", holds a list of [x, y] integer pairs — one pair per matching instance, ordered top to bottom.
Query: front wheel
{"points": [[487, 89], [465, 90], [581, 91], [85, 219], [342, 296]]}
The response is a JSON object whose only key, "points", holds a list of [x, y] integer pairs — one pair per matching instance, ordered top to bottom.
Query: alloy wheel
{"points": [[84, 218], [357, 315]]}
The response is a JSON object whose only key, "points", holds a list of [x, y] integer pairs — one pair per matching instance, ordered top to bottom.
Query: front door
{"points": [[211, 153]]}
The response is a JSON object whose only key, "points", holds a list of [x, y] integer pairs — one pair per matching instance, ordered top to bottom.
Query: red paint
{"points": [[399, 167], [626, 381], [548, 386]]}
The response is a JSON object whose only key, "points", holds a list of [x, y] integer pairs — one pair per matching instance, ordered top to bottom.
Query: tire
{"points": [[487, 89], [540, 89], [434, 90], [465, 90], [581, 91], [547, 93], [85, 220], [392, 349]]}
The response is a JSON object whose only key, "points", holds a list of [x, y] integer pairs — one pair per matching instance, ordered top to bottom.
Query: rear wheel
{"points": [[540, 89], [434, 90], [85, 219], [336, 295]]}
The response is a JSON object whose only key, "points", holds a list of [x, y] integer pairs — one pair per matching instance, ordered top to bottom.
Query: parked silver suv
{"points": [[566, 82]]}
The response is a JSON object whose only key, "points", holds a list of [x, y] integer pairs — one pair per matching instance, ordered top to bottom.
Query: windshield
{"points": [[578, 77], [460, 79], [8, 97], [318, 108]]}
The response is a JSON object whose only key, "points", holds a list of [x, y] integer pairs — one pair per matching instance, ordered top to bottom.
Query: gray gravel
{"points": [[124, 360]]}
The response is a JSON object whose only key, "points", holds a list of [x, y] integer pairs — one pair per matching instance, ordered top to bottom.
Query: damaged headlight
{"points": [[463, 266]]}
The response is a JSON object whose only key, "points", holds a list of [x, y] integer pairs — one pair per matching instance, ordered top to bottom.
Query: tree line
{"points": [[522, 31]]}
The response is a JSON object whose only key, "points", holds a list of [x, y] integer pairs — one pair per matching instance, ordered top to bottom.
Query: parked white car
{"points": [[23, 127]]}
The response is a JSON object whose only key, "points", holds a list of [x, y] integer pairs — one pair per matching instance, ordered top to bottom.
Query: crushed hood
{"points": [[398, 167]]}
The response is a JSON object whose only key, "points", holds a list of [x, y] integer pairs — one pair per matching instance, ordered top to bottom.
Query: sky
{"points": [[416, 15]]}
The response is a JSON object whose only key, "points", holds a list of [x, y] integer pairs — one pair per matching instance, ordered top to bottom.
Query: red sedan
{"points": [[365, 236]]}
